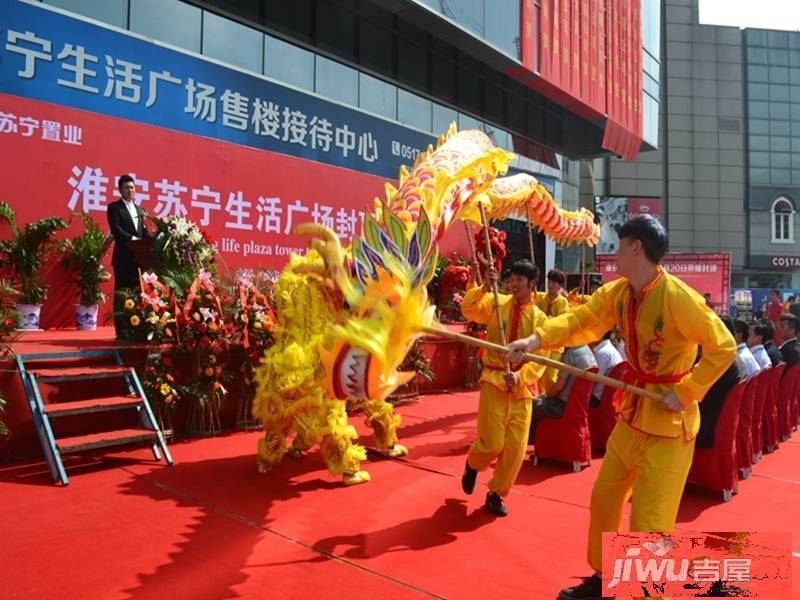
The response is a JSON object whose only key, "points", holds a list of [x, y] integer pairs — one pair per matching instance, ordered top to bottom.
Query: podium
{"points": [[144, 253]]}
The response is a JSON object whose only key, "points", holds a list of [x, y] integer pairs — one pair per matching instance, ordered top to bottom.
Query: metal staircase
{"points": [[73, 367]]}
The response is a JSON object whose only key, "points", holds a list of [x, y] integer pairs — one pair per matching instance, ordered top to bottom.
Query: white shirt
{"points": [[133, 213], [621, 349], [607, 358], [762, 358], [751, 367]]}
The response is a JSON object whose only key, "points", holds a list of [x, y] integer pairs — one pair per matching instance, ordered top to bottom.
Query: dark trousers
{"points": [[545, 408]]}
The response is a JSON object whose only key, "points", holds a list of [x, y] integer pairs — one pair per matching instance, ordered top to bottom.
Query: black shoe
{"points": [[468, 479], [494, 504], [590, 589]]}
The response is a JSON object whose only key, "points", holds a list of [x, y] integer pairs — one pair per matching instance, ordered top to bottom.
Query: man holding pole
{"points": [[662, 321], [504, 410]]}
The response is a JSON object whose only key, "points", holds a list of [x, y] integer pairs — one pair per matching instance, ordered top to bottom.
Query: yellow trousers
{"points": [[550, 375], [503, 424], [653, 468]]}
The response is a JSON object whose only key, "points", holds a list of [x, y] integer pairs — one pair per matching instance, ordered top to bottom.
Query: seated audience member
{"points": [[504, 285], [741, 332], [759, 332], [790, 346], [773, 352], [607, 358], [552, 406], [711, 406]]}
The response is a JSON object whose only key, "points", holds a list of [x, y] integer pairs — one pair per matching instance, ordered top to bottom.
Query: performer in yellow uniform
{"points": [[552, 303], [504, 411], [650, 451]]}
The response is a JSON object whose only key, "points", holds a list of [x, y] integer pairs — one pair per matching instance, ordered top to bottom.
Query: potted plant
{"points": [[24, 254], [85, 255], [8, 333]]}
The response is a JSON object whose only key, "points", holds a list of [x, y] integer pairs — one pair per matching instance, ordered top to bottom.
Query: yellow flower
{"points": [[129, 304], [243, 317], [135, 320], [258, 325], [213, 326], [209, 371], [165, 389]]}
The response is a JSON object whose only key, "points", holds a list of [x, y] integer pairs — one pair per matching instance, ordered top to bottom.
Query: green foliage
{"points": [[26, 251], [85, 255], [8, 332]]}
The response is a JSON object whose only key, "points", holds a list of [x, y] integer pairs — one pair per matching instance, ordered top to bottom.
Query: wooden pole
{"points": [[530, 233], [475, 262], [495, 291], [548, 362]]}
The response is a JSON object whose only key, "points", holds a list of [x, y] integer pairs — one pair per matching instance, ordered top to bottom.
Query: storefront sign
{"points": [[786, 263]]}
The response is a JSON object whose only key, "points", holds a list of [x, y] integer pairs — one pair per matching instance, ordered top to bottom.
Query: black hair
{"points": [[123, 179], [650, 232], [525, 268], [505, 274], [556, 276], [777, 293], [793, 321], [728, 322], [742, 328], [764, 329]]}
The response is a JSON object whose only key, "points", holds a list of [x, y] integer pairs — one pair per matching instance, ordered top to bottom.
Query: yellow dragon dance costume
{"points": [[347, 316]]}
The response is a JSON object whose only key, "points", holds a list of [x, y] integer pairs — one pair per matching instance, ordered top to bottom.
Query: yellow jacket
{"points": [[478, 306], [552, 309], [661, 338]]}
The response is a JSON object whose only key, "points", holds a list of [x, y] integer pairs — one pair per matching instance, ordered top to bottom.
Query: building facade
{"points": [[266, 114], [726, 172]]}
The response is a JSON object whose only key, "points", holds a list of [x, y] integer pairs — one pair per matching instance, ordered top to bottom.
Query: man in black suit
{"points": [[126, 221], [789, 327], [768, 334]]}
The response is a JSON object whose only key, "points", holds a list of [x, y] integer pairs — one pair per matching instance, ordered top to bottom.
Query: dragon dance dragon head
{"points": [[382, 275]]}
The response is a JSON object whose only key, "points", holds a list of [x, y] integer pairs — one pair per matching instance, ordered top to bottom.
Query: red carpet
{"points": [[210, 527]]}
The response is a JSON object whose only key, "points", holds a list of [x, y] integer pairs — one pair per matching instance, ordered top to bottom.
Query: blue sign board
{"points": [[48, 56]]}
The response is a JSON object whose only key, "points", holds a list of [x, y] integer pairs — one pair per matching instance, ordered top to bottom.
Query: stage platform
{"points": [[448, 362], [211, 527]]}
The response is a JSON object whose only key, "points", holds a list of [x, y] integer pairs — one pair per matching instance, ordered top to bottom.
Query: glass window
{"points": [[113, 12], [469, 14], [156, 19], [503, 25], [335, 29], [756, 37], [778, 39], [232, 43], [377, 47], [757, 55], [794, 55], [778, 57], [288, 63], [412, 64], [757, 73], [778, 74], [794, 76], [444, 78], [336, 81], [757, 91], [779, 93], [794, 93], [377, 96], [759, 110], [779, 110], [414, 111], [442, 117], [467, 122], [759, 126], [777, 128], [759, 142], [779, 144], [796, 145], [759, 159], [779, 160], [795, 163], [759, 175], [780, 176], [782, 213]]}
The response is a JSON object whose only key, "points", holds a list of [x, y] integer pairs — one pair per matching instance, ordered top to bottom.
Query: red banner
{"points": [[528, 46], [248, 200], [705, 273]]}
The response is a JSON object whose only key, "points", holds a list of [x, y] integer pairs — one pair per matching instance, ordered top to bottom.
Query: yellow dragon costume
{"points": [[348, 316]]}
